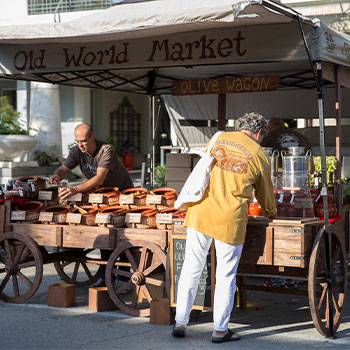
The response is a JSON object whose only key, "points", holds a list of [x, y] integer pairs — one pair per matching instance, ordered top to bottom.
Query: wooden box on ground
{"points": [[280, 243], [61, 295], [99, 300], [161, 312]]}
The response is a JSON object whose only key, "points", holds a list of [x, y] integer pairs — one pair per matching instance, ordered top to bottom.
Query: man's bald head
{"points": [[275, 123], [85, 129]]}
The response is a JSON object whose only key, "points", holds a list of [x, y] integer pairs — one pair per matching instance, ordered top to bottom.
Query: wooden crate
{"points": [[280, 243], [61, 295], [99, 300]]}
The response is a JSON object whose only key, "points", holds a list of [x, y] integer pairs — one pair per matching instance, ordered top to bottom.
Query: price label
{"points": [[32, 186], [20, 191], [45, 195], [76, 198], [95, 198], [126, 199], [153, 199], [18, 215], [44, 216], [73, 218], [103, 218], [133, 218], [164, 218]]}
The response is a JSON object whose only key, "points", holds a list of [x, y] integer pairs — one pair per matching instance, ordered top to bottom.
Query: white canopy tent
{"points": [[146, 47]]}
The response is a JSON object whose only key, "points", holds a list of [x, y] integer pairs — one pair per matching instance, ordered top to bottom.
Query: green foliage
{"points": [[9, 124], [44, 158], [159, 176]]}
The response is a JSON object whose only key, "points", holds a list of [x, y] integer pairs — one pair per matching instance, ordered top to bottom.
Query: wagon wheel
{"points": [[145, 260], [21, 262], [80, 267], [317, 282]]}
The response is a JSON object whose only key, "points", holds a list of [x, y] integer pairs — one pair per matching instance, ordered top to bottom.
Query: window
{"points": [[125, 125]]}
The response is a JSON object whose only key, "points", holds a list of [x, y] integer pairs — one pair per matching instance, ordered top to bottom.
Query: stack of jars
{"points": [[318, 204]]}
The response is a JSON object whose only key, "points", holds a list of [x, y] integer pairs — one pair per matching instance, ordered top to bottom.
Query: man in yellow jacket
{"points": [[240, 167]]}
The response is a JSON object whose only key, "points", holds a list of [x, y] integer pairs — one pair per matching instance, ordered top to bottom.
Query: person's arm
{"points": [[59, 174], [94, 182]]}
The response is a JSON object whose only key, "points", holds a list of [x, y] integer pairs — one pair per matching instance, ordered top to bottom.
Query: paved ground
{"points": [[272, 321]]}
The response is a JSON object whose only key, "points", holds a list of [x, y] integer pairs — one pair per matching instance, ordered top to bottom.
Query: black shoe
{"points": [[179, 331]]}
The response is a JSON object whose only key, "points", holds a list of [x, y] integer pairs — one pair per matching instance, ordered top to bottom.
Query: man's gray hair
{"points": [[252, 122]]}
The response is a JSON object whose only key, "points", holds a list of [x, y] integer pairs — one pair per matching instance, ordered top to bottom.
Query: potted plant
{"points": [[14, 140], [127, 153]]}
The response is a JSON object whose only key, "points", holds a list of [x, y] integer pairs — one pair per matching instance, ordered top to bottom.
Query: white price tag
{"points": [[33, 186], [45, 195], [95, 198], [126, 199], [153, 199], [18, 215], [45, 216], [73, 218], [103, 218], [133, 218], [164, 218]]}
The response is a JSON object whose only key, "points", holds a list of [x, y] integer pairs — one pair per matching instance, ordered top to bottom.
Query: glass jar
{"points": [[282, 210], [293, 212], [319, 212]]}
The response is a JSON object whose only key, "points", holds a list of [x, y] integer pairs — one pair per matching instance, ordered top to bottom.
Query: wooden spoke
{"points": [[8, 251], [19, 253], [22, 254], [144, 258], [131, 259], [79, 268], [152, 268], [86, 269], [75, 272], [122, 273], [25, 279], [4, 282], [155, 282], [15, 286], [318, 286], [146, 293], [135, 297]]}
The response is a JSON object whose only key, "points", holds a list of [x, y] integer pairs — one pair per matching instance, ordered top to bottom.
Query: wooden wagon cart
{"points": [[296, 249], [79, 253]]}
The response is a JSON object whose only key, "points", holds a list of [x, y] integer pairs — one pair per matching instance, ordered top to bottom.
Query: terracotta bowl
{"points": [[139, 194], [168, 194], [110, 195], [32, 209], [59, 213], [117, 213], [176, 214], [148, 216], [89, 217]]}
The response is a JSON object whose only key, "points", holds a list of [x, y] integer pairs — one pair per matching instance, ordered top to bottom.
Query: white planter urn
{"points": [[14, 146]]}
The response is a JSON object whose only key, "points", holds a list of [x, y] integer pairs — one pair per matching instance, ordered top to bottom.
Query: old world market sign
{"points": [[225, 85]]}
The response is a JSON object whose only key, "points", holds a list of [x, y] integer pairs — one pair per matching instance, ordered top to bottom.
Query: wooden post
{"points": [[221, 111], [338, 184]]}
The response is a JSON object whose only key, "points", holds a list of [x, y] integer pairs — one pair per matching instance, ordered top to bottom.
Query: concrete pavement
{"points": [[272, 321]]}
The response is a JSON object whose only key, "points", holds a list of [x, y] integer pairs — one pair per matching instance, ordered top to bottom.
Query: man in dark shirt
{"points": [[97, 160], [100, 164]]}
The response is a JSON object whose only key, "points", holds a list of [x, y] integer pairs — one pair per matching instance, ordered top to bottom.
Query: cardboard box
{"points": [[179, 160], [177, 174], [177, 185], [61, 295], [99, 300], [161, 312]]}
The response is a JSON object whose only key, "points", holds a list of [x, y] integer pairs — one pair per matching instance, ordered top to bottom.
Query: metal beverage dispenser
{"points": [[273, 156]]}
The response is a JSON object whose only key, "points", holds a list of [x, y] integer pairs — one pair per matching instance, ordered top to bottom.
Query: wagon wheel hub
{"points": [[11, 269], [138, 278]]}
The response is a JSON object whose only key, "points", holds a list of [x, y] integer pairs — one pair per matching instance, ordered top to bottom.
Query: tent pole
{"points": [[221, 111], [149, 148], [338, 184], [324, 193]]}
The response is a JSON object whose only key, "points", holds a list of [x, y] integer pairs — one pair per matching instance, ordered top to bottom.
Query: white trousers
{"points": [[227, 258]]}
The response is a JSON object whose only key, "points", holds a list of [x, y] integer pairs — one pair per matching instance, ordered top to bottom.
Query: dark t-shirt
{"points": [[284, 137], [105, 156]]}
